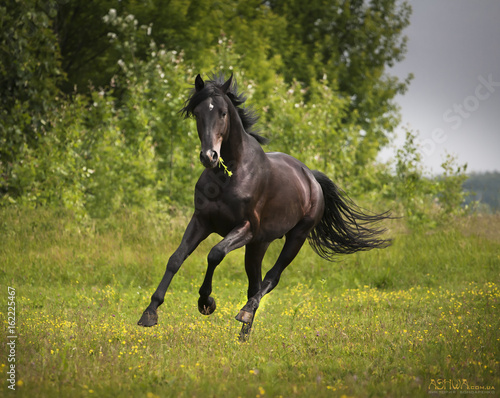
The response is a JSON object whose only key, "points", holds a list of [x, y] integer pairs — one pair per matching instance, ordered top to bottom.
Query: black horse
{"points": [[253, 198]]}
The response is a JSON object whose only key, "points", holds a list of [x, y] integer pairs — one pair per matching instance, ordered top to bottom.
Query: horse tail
{"points": [[345, 227]]}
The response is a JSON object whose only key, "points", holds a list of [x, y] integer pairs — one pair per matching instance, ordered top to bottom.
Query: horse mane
{"points": [[213, 88]]}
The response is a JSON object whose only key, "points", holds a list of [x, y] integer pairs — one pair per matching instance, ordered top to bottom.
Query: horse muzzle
{"points": [[209, 158]]}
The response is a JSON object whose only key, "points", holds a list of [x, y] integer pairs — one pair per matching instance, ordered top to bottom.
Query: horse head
{"points": [[212, 121]]}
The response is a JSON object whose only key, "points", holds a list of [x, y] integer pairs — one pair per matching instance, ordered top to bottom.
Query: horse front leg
{"points": [[196, 232], [235, 239]]}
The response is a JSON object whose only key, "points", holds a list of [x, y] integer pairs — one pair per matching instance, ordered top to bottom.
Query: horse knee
{"points": [[215, 256], [174, 263]]}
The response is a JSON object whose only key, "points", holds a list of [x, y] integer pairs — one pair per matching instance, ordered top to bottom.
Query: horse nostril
{"points": [[209, 158]]}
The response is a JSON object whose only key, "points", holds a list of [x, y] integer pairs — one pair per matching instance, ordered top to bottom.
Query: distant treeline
{"points": [[484, 188]]}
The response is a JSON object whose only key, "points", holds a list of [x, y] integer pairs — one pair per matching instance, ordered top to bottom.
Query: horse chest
{"points": [[225, 209]]}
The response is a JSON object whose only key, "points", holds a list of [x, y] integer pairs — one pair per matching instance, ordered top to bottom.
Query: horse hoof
{"points": [[206, 307], [244, 316], [148, 319]]}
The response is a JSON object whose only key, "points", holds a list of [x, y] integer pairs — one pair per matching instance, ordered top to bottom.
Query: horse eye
{"points": [[224, 114]]}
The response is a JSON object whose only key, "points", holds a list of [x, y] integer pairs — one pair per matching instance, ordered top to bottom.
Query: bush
{"points": [[422, 200]]}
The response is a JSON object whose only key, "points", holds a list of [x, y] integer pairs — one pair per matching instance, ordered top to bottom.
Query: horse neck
{"points": [[236, 145]]}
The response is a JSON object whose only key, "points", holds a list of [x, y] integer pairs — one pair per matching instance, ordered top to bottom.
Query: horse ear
{"points": [[199, 83], [227, 85]]}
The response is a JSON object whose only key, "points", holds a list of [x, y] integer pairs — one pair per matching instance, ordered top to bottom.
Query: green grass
{"points": [[387, 323]]}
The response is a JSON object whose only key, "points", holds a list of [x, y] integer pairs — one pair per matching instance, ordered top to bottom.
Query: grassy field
{"points": [[421, 317]]}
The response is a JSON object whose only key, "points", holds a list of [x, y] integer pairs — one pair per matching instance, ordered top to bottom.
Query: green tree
{"points": [[193, 28], [353, 43], [87, 56], [30, 72], [412, 190], [451, 193], [423, 200]]}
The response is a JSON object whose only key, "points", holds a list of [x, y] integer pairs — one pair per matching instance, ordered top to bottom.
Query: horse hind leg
{"points": [[294, 241], [254, 254]]}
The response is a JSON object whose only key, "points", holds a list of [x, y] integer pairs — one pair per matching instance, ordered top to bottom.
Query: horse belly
{"points": [[291, 197], [283, 212], [276, 225]]}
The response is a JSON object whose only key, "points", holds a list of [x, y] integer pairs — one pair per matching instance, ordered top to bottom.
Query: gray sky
{"points": [[454, 98]]}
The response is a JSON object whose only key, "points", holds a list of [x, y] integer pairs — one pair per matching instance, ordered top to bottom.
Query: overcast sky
{"points": [[454, 98]]}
